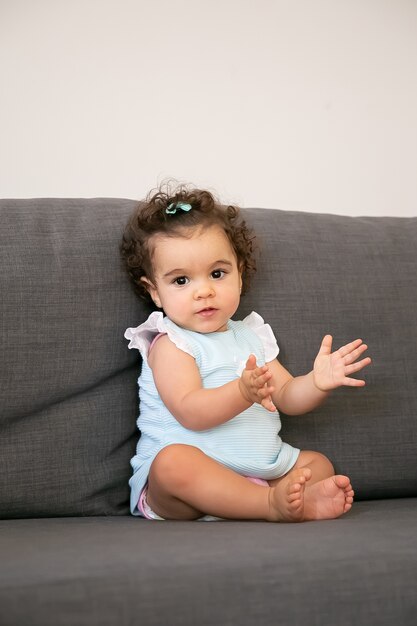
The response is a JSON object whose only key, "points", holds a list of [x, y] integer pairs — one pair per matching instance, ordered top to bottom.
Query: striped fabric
{"points": [[249, 443]]}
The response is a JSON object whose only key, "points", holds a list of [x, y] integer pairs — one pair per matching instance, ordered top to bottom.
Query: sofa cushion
{"points": [[68, 381], [124, 570]]}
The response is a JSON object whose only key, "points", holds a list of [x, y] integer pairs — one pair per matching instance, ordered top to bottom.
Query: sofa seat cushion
{"points": [[360, 569]]}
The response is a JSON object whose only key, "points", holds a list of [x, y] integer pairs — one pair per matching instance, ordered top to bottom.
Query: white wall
{"points": [[302, 104]]}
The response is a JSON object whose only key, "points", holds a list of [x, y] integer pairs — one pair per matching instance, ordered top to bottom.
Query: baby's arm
{"points": [[178, 381], [302, 394]]}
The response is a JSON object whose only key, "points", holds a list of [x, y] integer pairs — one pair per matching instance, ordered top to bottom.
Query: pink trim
{"points": [[158, 336], [258, 481], [141, 503]]}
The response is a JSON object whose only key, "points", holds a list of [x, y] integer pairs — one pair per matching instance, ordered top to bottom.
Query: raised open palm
{"points": [[334, 369]]}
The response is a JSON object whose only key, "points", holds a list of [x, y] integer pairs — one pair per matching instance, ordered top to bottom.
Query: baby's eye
{"points": [[216, 274], [181, 280]]}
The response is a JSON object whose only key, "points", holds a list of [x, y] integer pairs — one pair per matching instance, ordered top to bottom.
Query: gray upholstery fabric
{"points": [[68, 382], [68, 407], [360, 569]]}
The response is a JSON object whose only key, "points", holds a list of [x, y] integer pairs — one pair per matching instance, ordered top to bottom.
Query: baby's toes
{"points": [[342, 482], [294, 488], [294, 497]]}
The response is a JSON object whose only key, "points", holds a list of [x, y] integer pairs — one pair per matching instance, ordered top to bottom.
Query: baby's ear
{"points": [[241, 277], [152, 290]]}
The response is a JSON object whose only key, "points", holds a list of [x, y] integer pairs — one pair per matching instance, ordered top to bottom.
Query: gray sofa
{"points": [[70, 553]]}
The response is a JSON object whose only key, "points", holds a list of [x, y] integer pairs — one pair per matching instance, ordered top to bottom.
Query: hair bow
{"points": [[178, 205]]}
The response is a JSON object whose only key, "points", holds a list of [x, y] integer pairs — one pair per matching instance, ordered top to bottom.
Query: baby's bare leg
{"points": [[319, 464], [185, 484]]}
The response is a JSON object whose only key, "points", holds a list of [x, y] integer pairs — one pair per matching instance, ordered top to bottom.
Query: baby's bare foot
{"points": [[286, 499], [328, 499]]}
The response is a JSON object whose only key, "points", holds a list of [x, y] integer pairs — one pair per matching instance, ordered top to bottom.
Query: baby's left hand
{"points": [[333, 369], [254, 384]]}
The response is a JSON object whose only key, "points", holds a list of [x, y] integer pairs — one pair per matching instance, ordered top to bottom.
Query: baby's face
{"points": [[197, 279]]}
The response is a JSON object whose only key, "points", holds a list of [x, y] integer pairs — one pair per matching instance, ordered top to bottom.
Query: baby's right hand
{"points": [[253, 384]]}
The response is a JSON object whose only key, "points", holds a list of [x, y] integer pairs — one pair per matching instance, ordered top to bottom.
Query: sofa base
{"points": [[360, 569]]}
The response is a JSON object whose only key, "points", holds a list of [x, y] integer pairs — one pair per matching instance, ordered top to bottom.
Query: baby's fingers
{"points": [[349, 348], [355, 354], [251, 362], [253, 367], [356, 367], [263, 377], [353, 382], [265, 391], [268, 404]]}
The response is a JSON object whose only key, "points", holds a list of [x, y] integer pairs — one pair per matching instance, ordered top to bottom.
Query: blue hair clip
{"points": [[178, 205]]}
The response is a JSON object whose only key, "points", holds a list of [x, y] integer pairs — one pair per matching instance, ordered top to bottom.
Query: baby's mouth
{"points": [[207, 311]]}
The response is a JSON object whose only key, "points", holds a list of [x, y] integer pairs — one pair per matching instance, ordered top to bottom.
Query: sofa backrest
{"points": [[68, 382], [68, 405]]}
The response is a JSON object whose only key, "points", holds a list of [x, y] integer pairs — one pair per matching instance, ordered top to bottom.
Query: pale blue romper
{"points": [[249, 443]]}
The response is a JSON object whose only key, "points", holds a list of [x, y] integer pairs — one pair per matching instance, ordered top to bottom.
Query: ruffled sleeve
{"points": [[255, 322], [142, 336]]}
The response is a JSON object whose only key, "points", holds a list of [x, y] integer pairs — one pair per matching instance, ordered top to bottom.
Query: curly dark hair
{"points": [[151, 218]]}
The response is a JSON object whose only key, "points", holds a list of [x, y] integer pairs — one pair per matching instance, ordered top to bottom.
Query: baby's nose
{"points": [[204, 290]]}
